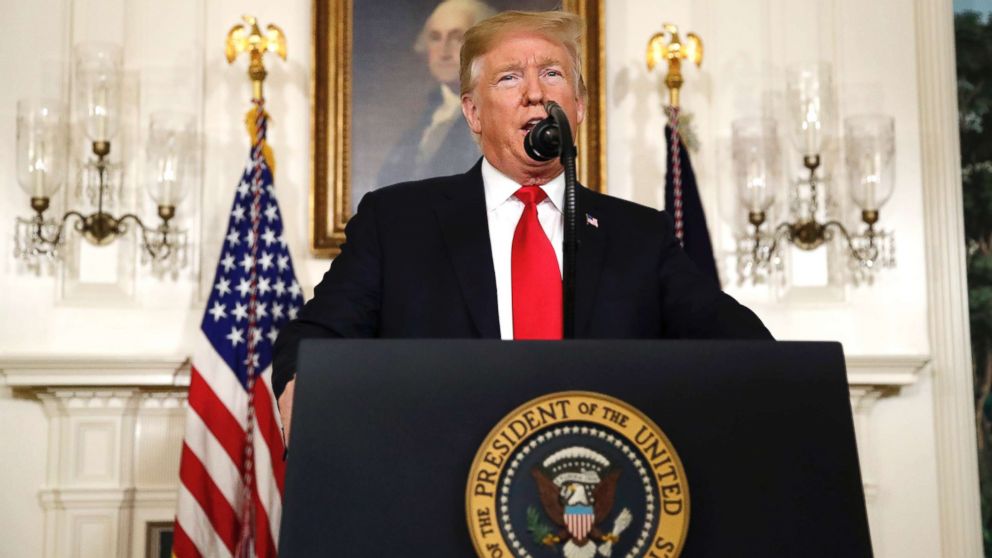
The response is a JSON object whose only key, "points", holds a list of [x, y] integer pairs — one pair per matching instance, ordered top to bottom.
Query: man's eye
{"points": [[554, 73]]}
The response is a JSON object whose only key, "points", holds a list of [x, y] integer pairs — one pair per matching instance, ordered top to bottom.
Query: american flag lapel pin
{"points": [[590, 220]]}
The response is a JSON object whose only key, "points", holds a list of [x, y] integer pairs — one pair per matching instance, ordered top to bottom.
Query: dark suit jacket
{"points": [[418, 263]]}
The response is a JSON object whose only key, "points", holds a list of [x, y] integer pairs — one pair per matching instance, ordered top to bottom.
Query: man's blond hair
{"points": [[557, 26]]}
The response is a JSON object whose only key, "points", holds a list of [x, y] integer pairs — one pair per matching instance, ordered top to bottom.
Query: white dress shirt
{"points": [[504, 210]]}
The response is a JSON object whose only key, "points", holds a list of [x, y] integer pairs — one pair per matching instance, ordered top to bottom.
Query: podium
{"points": [[386, 435]]}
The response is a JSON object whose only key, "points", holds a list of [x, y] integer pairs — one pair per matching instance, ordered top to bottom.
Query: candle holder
{"points": [[42, 139], [869, 158], [42, 161], [757, 173]]}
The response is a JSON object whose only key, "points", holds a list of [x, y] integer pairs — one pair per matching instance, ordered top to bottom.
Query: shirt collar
{"points": [[500, 188]]}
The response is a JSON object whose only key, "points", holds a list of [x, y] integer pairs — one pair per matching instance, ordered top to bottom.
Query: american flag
{"points": [[231, 470]]}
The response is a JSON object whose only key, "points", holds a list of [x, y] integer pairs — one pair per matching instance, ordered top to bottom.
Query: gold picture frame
{"points": [[331, 194]]}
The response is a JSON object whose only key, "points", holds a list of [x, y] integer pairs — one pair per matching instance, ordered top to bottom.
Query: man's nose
{"points": [[533, 92]]}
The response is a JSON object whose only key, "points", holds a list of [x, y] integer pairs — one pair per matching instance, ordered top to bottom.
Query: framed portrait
{"points": [[385, 108]]}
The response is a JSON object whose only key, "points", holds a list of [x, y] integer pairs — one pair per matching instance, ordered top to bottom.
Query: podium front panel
{"points": [[384, 434]]}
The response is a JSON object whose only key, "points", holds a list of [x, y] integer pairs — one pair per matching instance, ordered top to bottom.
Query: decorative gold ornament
{"points": [[249, 38], [674, 52]]}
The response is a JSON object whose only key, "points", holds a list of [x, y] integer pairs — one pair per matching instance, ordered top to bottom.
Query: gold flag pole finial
{"points": [[249, 38], [674, 52]]}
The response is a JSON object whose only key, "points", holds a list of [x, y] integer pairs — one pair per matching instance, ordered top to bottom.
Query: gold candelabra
{"points": [[869, 155], [43, 160]]}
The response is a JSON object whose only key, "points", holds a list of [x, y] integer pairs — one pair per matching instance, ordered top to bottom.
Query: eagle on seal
{"points": [[577, 511]]}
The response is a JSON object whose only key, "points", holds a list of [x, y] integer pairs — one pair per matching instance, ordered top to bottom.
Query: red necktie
{"points": [[534, 273]]}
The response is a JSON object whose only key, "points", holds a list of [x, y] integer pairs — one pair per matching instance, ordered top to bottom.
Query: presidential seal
{"points": [[579, 475]]}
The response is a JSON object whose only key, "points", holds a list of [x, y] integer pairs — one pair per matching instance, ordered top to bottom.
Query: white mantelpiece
{"points": [[85, 370], [892, 371], [871, 378], [115, 430]]}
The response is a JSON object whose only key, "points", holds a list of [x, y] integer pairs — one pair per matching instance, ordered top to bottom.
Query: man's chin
{"points": [[548, 169]]}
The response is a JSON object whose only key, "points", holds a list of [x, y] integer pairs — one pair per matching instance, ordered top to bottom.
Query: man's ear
{"points": [[580, 110], [471, 112]]}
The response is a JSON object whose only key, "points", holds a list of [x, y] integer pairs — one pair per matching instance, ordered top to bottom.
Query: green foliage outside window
{"points": [[973, 40]]}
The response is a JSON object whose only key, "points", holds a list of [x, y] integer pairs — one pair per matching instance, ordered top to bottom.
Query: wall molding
{"points": [[947, 288], [28, 371], [894, 371], [871, 378], [110, 449], [85, 498]]}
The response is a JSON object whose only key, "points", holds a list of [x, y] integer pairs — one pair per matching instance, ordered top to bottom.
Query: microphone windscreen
{"points": [[543, 141]]}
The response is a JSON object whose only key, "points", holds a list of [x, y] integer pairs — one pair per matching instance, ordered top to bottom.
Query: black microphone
{"points": [[550, 138], [543, 141]]}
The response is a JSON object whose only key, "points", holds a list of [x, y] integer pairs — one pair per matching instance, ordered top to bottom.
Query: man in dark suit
{"points": [[478, 255]]}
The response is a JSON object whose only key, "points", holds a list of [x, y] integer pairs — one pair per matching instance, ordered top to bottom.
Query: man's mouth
{"points": [[529, 125]]}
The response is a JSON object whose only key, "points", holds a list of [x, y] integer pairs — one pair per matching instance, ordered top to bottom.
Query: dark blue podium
{"points": [[385, 432]]}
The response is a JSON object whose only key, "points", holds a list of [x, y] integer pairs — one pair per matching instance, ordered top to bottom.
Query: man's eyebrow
{"points": [[517, 65], [509, 66]]}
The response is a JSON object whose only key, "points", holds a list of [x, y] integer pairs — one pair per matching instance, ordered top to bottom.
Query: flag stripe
{"points": [[221, 380], [216, 417], [270, 429], [224, 472], [266, 488], [218, 510], [197, 527], [182, 545], [265, 546]]}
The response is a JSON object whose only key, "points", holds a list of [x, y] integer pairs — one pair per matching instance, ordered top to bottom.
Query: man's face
{"points": [[445, 34], [517, 77]]}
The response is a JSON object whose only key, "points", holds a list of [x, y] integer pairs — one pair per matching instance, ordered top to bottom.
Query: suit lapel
{"points": [[461, 213], [592, 245]]}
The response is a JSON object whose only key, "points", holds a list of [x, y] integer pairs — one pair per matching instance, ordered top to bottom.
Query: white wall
{"points": [[747, 45], [175, 59]]}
